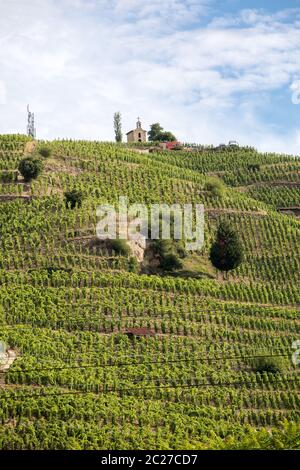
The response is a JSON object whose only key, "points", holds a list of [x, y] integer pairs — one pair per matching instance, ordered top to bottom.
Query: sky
{"points": [[210, 71]]}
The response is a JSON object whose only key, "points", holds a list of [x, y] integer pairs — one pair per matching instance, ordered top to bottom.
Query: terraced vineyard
{"points": [[78, 382]]}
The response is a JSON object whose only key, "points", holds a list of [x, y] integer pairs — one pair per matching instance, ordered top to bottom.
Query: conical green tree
{"points": [[118, 127], [226, 252]]}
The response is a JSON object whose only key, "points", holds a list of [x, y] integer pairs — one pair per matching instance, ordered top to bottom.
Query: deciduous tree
{"points": [[118, 127]]}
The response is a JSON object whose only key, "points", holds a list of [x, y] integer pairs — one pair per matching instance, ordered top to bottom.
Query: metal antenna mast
{"points": [[30, 125]]}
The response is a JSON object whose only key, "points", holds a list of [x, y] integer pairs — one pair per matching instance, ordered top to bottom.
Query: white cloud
{"points": [[170, 11], [77, 62], [295, 88], [2, 92]]}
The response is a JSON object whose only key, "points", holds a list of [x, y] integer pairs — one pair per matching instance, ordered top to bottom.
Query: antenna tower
{"points": [[30, 124]]}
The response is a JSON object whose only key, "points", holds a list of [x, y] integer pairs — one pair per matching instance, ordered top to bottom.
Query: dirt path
{"points": [[145, 151], [266, 184], [13, 197], [294, 211], [259, 213]]}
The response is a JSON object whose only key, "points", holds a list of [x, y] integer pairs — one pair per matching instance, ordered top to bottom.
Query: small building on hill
{"points": [[138, 134], [233, 144], [170, 145]]}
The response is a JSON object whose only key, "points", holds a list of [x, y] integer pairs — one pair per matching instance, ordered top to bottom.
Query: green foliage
{"points": [[118, 127], [157, 133], [166, 137], [45, 151], [254, 167], [30, 168], [8, 176], [216, 187], [283, 195], [73, 198], [120, 246], [162, 247], [180, 248], [226, 252], [169, 253], [170, 262], [133, 264], [54, 269], [65, 305], [271, 365], [287, 436]]}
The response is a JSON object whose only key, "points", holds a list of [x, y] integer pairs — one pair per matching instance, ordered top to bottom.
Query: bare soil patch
{"points": [[29, 147], [53, 166], [294, 211]]}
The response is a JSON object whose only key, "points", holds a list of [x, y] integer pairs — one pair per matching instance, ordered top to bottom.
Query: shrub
{"points": [[45, 152], [30, 168], [216, 187], [73, 198], [121, 247], [162, 247], [169, 253], [170, 262], [268, 364]]}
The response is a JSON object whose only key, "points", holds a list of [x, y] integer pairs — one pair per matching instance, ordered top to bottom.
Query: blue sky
{"points": [[268, 5], [210, 71]]}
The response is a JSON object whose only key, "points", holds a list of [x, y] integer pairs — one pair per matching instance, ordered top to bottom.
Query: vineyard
{"points": [[78, 381]]}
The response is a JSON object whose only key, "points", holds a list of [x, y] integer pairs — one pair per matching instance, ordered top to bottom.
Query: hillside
{"points": [[77, 381]]}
